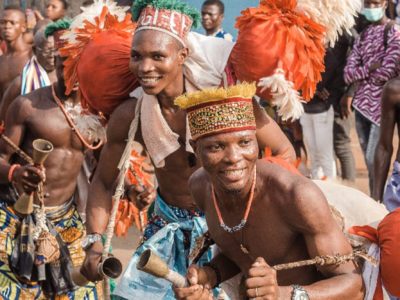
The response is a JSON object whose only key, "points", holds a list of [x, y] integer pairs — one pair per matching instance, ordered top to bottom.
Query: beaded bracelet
{"points": [[11, 171], [216, 270]]}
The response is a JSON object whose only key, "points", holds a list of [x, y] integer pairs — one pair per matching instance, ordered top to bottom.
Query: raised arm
{"points": [[355, 70], [12, 92], [270, 135], [384, 148], [101, 190]]}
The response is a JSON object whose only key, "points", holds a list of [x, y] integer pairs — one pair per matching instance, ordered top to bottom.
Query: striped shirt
{"points": [[372, 50], [33, 77]]}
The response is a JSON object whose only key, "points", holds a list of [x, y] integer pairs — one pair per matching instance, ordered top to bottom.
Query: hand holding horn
{"points": [[41, 150]]}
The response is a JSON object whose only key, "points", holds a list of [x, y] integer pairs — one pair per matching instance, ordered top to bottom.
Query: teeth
{"points": [[150, 79], [234, 173]]}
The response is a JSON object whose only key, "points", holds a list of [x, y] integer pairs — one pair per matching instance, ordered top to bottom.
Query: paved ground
{"points": [[124, 247]]}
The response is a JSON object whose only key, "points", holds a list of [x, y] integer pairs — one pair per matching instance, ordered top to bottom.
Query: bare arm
{"points": [[12, 92], [270, 135], [384, 148], [26, 176], [101, 191], [312, 218]]}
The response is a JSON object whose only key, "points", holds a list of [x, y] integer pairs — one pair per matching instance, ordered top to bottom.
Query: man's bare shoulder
{"points": [[120, 120], [197, 186], [296, 196]]}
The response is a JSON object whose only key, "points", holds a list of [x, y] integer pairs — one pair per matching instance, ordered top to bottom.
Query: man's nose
{"points": [[146, 66], [232, 155]]}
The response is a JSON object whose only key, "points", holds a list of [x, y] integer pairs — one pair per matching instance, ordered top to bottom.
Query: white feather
{"points": [[93, 11], [335, 15], [284, 97], [92, 125]]}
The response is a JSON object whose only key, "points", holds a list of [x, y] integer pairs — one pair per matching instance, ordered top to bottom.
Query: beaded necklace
{"points": [[71, 123], [244, 220]]}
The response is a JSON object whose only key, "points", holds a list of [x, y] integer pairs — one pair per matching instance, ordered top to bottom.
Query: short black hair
{"points": [[87, 2], [64, 3], [218, 3], [17, 8]]}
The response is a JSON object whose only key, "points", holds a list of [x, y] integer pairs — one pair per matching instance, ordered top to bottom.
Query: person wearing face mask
{"points": [[372, 63]]}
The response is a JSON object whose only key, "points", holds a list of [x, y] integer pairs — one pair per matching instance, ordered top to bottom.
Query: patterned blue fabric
{"points": [[224, 35], [391, 199], [171, 235]]}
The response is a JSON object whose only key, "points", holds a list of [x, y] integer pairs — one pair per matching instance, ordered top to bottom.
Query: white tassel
{"points": [[93, 11], [335, 15], [284, 97], [91, 124]]}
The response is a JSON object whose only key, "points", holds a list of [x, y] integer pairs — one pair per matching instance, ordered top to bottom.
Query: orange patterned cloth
{"points": [[387, 237]]}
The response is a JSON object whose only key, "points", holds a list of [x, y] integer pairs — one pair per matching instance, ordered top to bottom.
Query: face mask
{"points": [[373, 14]]}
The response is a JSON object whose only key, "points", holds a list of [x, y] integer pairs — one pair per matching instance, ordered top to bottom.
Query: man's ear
{"points": [[24, 27], [183, 55], [194, 146]]}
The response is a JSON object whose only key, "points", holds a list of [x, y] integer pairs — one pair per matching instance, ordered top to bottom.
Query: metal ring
{"points": [[256, 292]]}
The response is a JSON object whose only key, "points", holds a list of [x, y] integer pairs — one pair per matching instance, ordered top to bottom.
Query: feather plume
{"points": [[92, 12], [335, 15], [284, 97], [92, 125]]}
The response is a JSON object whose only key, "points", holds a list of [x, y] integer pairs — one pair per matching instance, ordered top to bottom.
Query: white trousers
{"points": [[318, 133]]}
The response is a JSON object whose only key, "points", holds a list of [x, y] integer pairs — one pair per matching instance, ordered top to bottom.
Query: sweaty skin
{"points": [[12, 23], [44, 52], [156, 60], [33, 116], [384, 149], [289, 221]]}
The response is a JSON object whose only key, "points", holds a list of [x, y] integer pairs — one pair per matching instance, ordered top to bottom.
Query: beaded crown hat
{"points": [[169, 16], [58, 30], [215, 111]]}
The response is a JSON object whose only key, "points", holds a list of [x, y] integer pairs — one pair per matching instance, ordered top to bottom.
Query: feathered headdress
{"points": [[281, 46], [282, 49], [98, 58], [215, 111]]}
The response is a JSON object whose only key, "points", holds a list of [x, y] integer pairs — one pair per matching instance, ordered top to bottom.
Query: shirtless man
{"points": [[12, 23], [43, 50], [157, 60], [38, 116], [384, 149], [289, 220]]}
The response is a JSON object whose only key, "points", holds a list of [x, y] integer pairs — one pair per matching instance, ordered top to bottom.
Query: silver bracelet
{"points": [[299, 293]]}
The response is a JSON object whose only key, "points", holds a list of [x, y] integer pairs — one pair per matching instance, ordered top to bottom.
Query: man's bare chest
{"points": [[11, 68], [52, 125], [263, 235]]}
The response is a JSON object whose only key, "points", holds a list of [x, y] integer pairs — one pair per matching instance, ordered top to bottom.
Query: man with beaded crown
{"points": [[163, 59], [42, 114], [258, 213]]}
